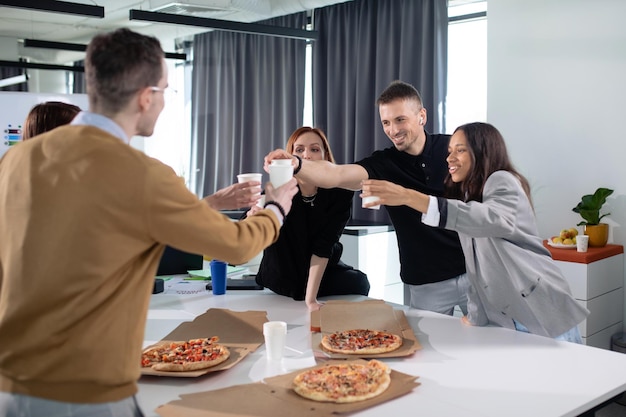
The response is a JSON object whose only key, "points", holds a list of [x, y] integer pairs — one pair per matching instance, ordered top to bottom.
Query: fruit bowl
{"points": [[560, 245]]}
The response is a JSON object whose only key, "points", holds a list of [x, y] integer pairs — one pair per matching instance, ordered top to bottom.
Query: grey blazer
{"points": [[513, 274]]}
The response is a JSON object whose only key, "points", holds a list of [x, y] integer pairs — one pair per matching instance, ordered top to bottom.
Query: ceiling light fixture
{"points": [[56, 7], [252, 28], [65, 46], [35, 65], [18, 79]]}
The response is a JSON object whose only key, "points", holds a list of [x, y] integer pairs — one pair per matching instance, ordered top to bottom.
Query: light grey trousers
{"points": [[441, 297], [18, 405]]}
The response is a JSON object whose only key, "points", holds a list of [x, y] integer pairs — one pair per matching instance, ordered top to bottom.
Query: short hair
{"points": [[120, 63], [399, 90], [46, 116], [319, 132]]}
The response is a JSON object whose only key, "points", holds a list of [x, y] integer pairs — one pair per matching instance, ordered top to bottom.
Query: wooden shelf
{"points": [[592, 254]]}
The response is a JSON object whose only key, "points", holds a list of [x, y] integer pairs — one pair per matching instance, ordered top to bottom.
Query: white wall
{"points": [[557, 92]]}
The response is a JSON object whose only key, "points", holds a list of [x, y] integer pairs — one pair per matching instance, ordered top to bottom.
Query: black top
{"points": [[308, 230], [427, 254]]}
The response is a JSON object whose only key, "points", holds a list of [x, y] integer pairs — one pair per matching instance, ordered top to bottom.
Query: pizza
{"points": [[361, 341], [190, 355], [343, 383]]}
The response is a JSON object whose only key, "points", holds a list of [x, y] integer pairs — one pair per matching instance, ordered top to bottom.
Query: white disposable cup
{"points": [[281, 162], [280, 174], [241, 178], [370, 199], [582, 243], [275, 333]]}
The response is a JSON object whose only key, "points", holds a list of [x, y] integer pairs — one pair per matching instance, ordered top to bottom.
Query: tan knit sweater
{"points": [[83, 222]]}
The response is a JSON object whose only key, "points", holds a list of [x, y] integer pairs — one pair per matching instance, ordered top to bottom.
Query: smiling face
{"points": [[403, 122], [309, 146], [459, 157]]}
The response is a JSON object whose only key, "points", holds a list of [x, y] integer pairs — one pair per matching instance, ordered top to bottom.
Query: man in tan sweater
{"points": [[83, 224]]}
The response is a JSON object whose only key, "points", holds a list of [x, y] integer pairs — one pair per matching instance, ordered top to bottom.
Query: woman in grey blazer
{"points": [[515, 282]]}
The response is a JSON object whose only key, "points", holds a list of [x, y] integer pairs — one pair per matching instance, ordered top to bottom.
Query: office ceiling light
{"points": [[56, 7], [185, 8], [252, 28], [65, 46], [36, 65], [18, 79]]}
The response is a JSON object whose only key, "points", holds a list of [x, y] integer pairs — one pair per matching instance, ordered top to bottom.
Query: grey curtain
{"points": [[364, 45], [79, 86], [247, 98]]}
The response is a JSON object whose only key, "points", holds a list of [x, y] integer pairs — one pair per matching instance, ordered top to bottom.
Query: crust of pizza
{"points": [[361, 342], [184, 356], [344, 383]]}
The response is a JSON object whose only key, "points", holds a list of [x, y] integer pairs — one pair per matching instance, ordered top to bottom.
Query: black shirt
{"points": [[308, 230], [427, 254]]}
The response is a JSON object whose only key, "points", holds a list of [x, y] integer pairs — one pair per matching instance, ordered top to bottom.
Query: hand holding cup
{"points": [[278, 154], [283, 194]]}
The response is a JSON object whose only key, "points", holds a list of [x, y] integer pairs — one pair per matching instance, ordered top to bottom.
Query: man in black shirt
{"points": [[431, 259]]}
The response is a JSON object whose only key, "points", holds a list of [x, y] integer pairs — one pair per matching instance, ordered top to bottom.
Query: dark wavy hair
{"points": [[46, 116], [488, 152], [328, 154]]}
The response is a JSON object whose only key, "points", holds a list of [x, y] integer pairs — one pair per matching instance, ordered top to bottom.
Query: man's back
{"points": [[83, 220]]}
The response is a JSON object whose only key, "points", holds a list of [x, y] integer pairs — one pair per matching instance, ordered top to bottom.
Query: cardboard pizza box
{"points": [[338, 315], [240, 331], [274, 397]]}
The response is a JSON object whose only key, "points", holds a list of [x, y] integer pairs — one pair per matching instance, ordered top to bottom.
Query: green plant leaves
{"points": [[590, 205]]}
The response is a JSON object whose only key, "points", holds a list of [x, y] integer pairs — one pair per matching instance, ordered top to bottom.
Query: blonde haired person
{"points": [[305, 261]]}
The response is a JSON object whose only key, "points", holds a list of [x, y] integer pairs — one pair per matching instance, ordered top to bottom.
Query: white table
{"points": [[468, 371]]}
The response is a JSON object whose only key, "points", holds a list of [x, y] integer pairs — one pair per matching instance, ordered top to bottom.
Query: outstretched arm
{"points": [[323, 174], [391, 194], [235, 196]]}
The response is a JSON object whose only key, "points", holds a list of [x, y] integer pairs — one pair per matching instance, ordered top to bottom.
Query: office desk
{"points": [[468, 371]]}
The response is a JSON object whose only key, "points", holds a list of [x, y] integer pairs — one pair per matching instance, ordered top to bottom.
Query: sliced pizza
{"points": [[361, 342], [191, 355], [343, 383]]}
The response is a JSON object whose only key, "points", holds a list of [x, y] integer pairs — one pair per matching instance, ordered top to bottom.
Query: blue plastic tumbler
{"points": [[218, 277]]}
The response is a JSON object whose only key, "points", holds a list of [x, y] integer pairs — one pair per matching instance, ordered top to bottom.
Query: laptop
{"points": [[174, 261], [246, 283]]}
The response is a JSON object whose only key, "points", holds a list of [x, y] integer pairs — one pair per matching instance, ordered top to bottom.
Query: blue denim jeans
{"points": [[572, 335], [18, 405]]}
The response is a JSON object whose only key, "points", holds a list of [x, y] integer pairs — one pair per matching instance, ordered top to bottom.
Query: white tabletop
{"points": [[468, 371]]}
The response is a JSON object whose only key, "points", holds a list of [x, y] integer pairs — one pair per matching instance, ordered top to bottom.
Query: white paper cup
{"points": [[282, 162], [280, 174], [241, 178], [370, 199], [582, 243], [275, 333]]}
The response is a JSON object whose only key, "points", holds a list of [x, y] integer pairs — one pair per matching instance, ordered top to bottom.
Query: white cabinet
{"points": [[374, 250], [596, 279]]}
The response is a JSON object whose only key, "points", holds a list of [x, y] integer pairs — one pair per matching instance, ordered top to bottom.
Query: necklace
{"points": [[309, 199]]}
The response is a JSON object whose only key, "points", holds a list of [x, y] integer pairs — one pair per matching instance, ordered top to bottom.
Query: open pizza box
{"points": [[337, 315], [241, 332], [275, 397]]}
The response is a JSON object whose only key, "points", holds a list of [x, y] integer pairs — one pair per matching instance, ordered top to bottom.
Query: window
{"points": [[467, 63], [170, 141]]}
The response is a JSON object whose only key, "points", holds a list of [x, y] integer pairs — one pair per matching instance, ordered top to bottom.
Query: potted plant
{"points": [[589, 209]]}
